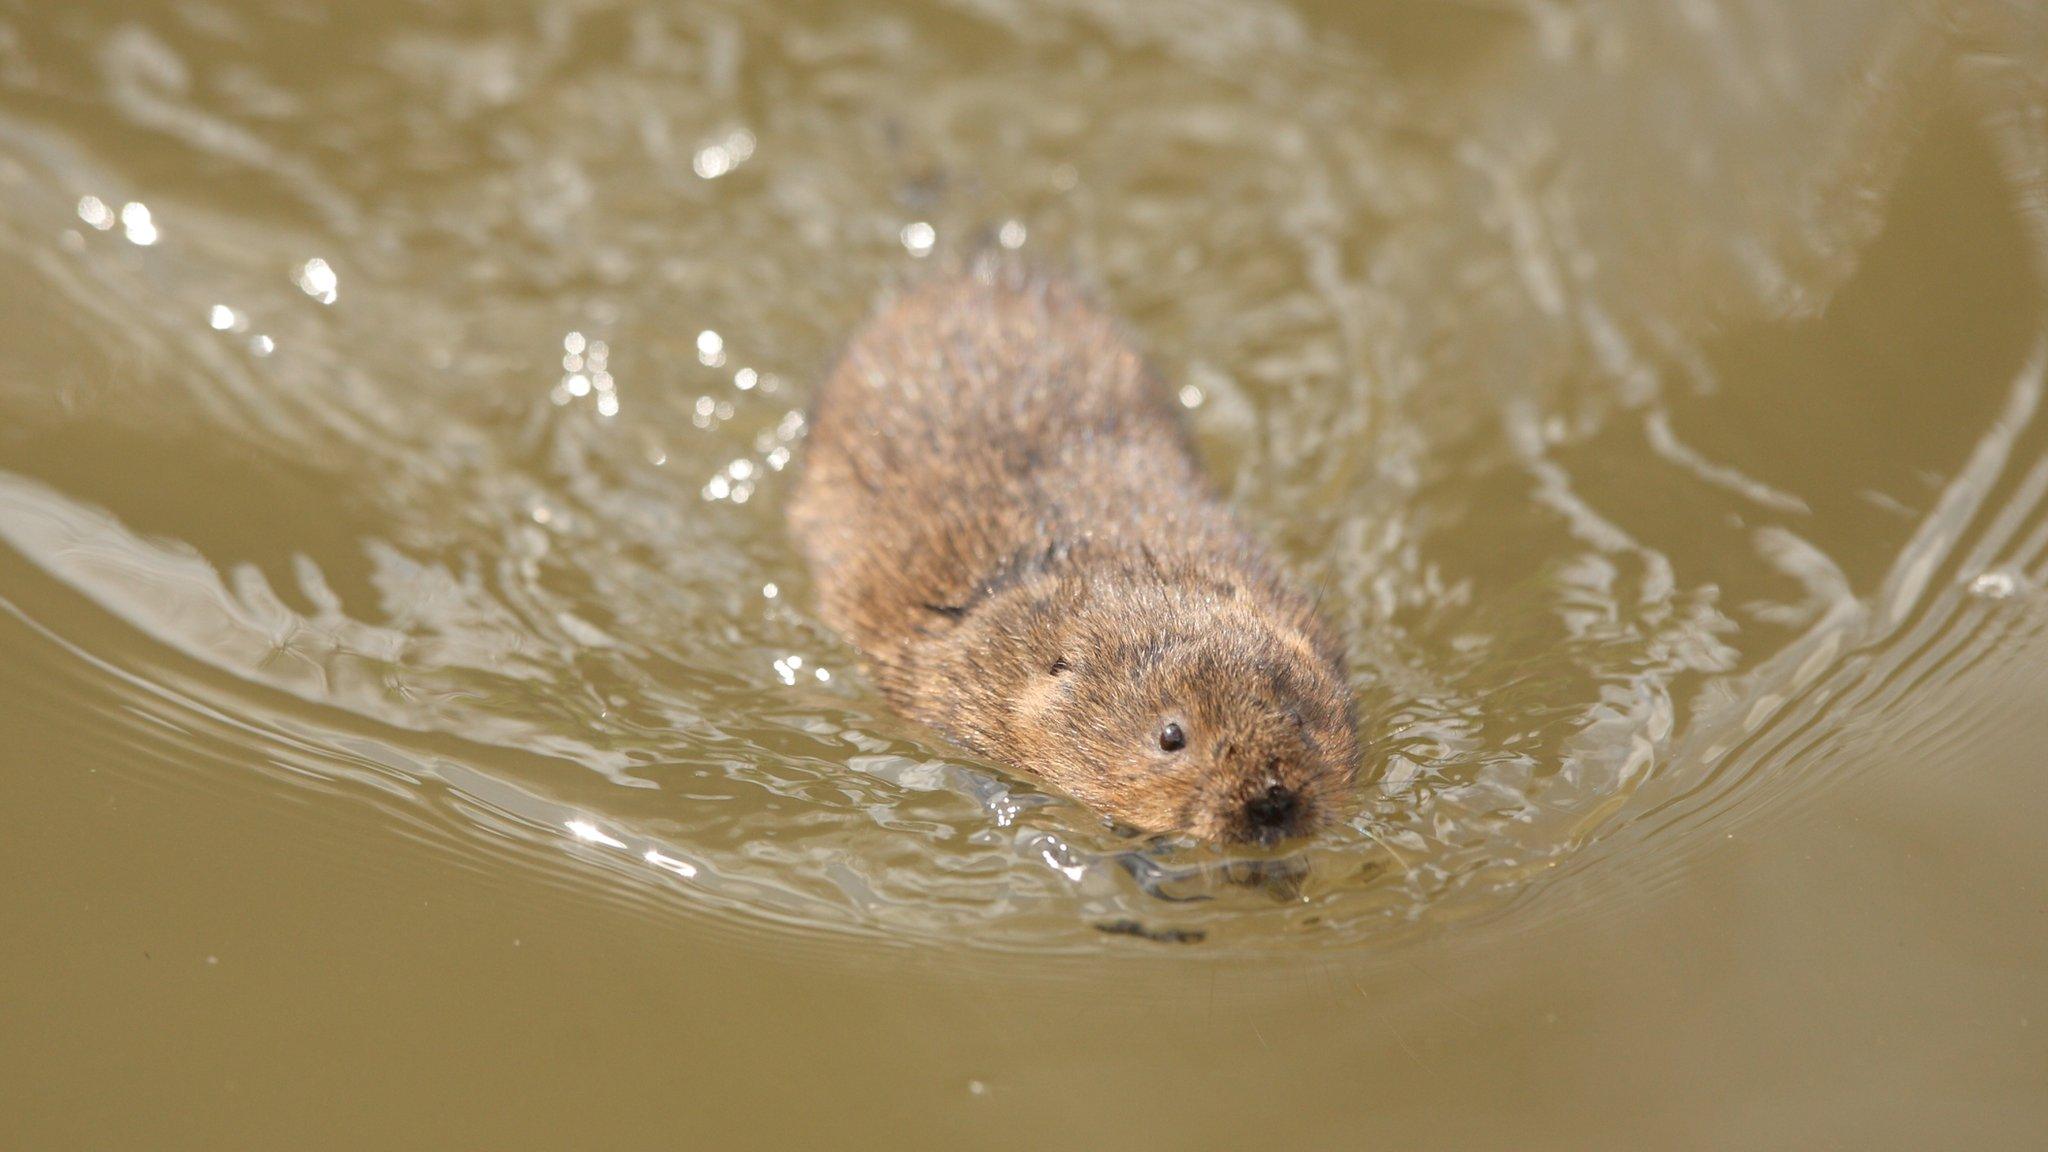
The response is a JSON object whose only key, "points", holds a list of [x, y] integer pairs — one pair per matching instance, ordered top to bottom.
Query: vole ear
{"points": [[1304, 629], [1326, 643]]}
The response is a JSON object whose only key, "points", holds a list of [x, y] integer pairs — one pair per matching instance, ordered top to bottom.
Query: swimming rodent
{"points": [[1001, 508]]}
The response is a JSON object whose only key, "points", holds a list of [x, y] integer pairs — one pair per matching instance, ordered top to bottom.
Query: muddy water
{"points": [[418, 734]]}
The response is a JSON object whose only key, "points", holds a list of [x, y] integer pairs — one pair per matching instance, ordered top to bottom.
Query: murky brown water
{"points": [[417, 735]]}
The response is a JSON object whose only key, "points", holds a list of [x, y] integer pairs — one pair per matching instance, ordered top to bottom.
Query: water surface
{"points": [[422, 737]]}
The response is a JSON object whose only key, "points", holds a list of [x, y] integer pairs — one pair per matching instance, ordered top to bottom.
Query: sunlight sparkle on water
{"points": [[715, 160], [712, 162], [95, 212], [137, 225], [1012, 234], [919, 238], [317, 280], [221, 318], [710, 348], [584, 373], [1995, 586], [590, 833], [682, 868]]}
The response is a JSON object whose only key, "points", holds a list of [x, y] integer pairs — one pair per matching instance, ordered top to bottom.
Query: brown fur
{"points": [[1000, 507]]}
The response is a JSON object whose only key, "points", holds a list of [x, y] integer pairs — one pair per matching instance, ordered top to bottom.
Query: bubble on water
{"points": [[1054, 853]]}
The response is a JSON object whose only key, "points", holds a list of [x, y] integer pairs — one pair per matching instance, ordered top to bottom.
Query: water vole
{"points": [[1001, 509]]}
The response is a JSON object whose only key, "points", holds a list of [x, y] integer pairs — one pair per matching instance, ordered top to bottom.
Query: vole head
{"points": [[1196, 710]]}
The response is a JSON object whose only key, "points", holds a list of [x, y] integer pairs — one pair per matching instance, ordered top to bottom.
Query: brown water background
{"points": [[416, 733]]}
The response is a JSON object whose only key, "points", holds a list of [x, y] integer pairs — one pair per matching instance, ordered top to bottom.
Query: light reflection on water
{"points": [[1459, 356]]}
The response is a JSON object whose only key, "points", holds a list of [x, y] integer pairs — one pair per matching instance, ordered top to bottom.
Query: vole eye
{"points": [[1060, 665], [1172, 739]]}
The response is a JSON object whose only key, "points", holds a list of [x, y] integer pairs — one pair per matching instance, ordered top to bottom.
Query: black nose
{"points": [[1271, 813]]}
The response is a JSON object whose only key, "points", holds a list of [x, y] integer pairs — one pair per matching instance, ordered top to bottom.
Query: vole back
{"points": [[992, 478]]}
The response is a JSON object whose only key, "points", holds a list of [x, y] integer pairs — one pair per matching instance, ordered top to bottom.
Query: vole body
{"points": [[1000, 507]]}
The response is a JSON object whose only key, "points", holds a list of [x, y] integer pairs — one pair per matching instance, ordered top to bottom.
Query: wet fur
{"points": [[1001, 509]]}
